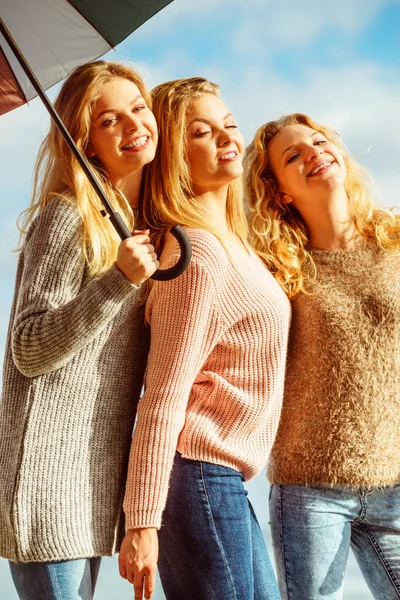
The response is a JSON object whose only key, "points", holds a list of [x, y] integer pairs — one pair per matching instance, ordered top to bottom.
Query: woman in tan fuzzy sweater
{"points": [[335, 464]]}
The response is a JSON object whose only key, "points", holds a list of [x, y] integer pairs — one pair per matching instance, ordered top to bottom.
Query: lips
{"points": [[136, 143], [231, 155], [321, 165]]}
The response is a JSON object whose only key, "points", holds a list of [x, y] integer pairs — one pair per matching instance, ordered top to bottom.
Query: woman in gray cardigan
{"points": [[76, 347]]}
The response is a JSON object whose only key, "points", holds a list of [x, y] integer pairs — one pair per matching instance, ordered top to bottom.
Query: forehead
{"points": [[116, 91], [207, 106], [291, 135]]}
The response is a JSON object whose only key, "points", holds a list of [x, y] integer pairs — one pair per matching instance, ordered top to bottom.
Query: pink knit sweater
{"points": [[214, 382]]}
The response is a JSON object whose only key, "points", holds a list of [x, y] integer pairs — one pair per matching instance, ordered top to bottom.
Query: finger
{"points": [[145, 231], [139, 238], [146, 248], [148, 258], [152, 268], [128, 562], [121, 567], [130, 574], [149, 583], [138, 587]]}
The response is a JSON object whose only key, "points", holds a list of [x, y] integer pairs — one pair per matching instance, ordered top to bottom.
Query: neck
{"points": [[130, 187], [214, 204], [330, 224]]}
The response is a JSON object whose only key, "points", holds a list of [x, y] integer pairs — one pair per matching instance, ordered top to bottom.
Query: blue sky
{"points": [[337, 61]]}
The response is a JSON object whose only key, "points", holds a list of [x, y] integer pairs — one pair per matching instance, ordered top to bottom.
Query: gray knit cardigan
{"points": [[73, 370]]}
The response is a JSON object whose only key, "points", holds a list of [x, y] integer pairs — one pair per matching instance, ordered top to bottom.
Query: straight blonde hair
{"points": [[58, 174], [168, 197], [279, 234]]}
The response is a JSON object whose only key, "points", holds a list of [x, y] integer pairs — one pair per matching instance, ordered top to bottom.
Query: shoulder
{"points": [[60, 210], [60, 218], [207, 251]]}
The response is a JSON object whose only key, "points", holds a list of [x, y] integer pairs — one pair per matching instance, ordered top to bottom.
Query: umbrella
{"points": [[57, 36]]}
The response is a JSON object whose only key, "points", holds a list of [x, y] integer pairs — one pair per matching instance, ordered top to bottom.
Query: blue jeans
{"points": [[313, 528], [211, 545], [61, 580]]}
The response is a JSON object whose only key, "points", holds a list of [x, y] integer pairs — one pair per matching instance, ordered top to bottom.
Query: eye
{"points": [[140, 108], [108, 122], [231, 127], [201, 133], [320, 142], [292, 158]]}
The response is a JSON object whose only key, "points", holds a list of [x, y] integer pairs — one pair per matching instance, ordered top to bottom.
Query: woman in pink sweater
{"points": [[214, 381]]}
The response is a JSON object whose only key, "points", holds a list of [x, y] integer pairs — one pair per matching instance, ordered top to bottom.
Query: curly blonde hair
{"points": [[58, 174], [279, 234]]}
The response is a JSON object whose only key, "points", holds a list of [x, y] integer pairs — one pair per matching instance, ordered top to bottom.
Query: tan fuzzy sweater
{"points": [[73, 369], [214, 383], [340, 422]]}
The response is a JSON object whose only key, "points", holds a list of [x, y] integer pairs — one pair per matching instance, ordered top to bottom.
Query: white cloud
{"points": [[265, 21], [289, 23], [21, 132]]}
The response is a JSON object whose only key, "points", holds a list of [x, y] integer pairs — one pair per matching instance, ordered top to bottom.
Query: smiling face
{"points": [[123, 134], [215, 145], [306, 164]]}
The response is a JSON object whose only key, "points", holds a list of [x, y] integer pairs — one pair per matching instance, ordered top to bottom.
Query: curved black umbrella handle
{"points": [[181, 237], [186, 254]]}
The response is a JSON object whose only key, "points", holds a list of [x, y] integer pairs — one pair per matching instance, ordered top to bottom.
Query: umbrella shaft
{"points": [[115, 218]]}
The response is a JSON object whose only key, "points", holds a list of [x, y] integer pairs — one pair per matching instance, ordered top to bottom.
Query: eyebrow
{"points": [[114, 110], [202, 120], [292, 147]]}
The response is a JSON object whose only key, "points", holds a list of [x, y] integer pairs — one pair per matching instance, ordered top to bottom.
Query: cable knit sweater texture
{"points": [[73, 369], [214, 382], [340, 422]]}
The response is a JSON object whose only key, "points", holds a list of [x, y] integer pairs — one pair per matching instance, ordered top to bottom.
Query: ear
{"points": [[287, 198]]}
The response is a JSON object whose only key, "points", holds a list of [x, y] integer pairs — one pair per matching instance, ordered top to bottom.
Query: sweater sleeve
{"points": [[55, 316], [185, 327]]}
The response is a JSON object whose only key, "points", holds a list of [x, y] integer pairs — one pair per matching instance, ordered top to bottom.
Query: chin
{"points": [[236, 172]]}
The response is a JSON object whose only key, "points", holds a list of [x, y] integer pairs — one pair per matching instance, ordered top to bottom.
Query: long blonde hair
{"points": [[58, 174], [169, 198], [279, 234]]}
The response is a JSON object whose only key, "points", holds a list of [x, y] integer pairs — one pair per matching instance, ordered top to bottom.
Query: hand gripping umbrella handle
{"points": [[115, 218], [181, 237]]}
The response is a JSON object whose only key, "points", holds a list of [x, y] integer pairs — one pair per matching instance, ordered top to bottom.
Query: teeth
{"points": [[136, 143], [229, 155], [324, 164]]}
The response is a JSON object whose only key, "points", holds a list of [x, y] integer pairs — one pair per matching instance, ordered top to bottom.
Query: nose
{"points": [[132, 121], [226, 136], [312, 151]]}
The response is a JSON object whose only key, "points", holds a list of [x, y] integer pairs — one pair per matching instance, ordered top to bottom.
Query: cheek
{"points": [[150, 124], [240, 143], [103, 145], [197, 157], [197, 165], [343, 165], [284, 179]]}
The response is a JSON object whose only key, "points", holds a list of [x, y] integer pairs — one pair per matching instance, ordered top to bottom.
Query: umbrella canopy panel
{"points": [[58, 35]]}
